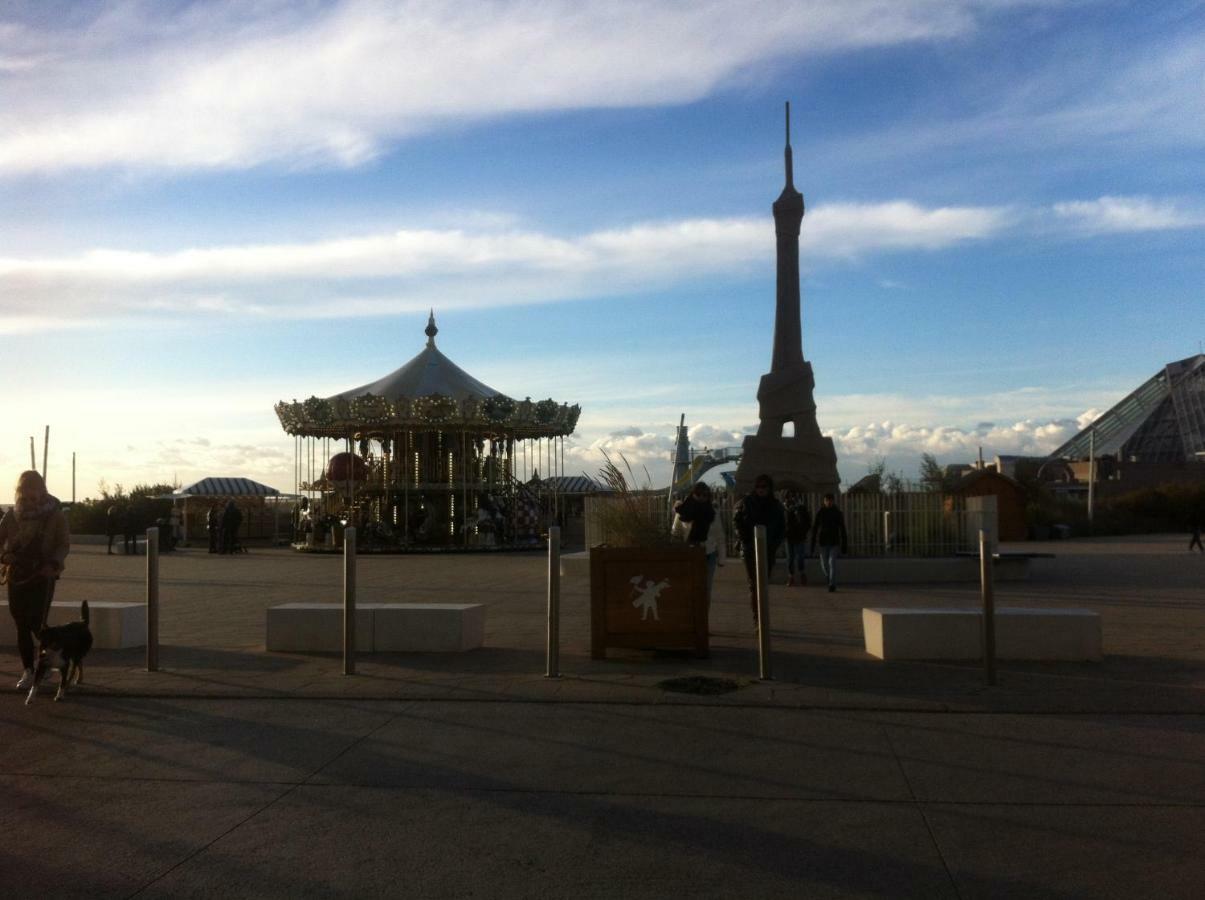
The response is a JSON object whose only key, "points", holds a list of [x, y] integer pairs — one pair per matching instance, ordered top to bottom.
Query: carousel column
{"points": [[407, 470], [464, 485]]}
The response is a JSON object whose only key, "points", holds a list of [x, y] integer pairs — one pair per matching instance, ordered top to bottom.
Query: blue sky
{"points": [[209, 207]]}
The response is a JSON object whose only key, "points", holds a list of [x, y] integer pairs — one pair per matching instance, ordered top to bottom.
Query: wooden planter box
{"points": [[648, 598]]}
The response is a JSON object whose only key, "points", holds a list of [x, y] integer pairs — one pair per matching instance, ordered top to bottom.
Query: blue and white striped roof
{"points": [[573, 484], [227, 487]]}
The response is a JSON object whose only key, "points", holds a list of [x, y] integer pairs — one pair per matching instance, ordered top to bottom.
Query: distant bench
{"points": [[114, 625], [380, 627], [1047, 634]]}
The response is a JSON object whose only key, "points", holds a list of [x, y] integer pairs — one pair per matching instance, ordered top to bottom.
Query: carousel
{"points": [[426, 458]]}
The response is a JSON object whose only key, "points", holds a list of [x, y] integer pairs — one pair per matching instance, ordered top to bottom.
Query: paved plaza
{"points": [[237, 772]]}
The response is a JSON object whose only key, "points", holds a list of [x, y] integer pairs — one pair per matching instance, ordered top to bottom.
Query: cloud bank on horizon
{"points": [[1012, 185]]}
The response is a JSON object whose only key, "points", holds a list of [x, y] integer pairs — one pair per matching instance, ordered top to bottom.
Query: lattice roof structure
{"points": [[1161, 421]]}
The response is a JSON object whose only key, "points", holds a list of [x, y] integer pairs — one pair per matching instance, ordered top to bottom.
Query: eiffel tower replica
{"points": [[807, 460]]}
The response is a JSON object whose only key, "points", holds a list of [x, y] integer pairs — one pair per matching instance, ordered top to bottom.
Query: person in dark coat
{"points": [[760, 507], [232, 518], [799, 523], [213, 524], [112, 525], [129, 527], [703, 527], [828, 531], [1195, 539], [34, 543]]}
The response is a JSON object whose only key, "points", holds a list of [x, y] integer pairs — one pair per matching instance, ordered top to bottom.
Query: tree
{"points": [[932, 475], [888, 482]]}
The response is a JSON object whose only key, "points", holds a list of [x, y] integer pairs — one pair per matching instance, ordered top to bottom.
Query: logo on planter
{"points": [[645, 592]]}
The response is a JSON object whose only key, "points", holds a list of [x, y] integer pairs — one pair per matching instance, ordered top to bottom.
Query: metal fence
{"points": [[899, 523], [908, 523]]}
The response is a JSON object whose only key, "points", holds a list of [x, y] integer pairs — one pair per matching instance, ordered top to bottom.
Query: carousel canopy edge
{"points": [[340, 416]]}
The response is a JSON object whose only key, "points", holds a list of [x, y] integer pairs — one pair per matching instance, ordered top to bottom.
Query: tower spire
{"points": [[790, 164], [430, 331]]}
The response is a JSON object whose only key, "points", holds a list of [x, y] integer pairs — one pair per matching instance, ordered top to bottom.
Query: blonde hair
{"points": [[28, 478]]}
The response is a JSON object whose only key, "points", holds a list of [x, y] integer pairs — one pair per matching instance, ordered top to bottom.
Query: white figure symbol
{"points": [[646, 591]]}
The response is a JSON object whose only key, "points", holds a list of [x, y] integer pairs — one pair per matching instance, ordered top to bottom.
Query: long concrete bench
{"points": [[114, 625], [380, 627], [1043, 634]]}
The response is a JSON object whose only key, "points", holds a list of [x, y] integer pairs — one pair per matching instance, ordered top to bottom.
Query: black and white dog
{"points": [[64, 648]]}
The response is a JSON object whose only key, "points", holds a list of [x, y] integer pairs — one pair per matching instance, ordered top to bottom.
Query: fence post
{"points": [[762, 561], [152, 598], [349, 600], [989, 608], [553, 647]]}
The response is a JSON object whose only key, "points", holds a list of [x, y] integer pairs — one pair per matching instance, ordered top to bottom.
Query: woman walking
{"points": [[759, 507], [698, 515], [34, 542]]}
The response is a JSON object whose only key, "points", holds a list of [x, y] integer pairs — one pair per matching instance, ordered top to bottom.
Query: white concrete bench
{"points": [[114, 625], [428, 626], [315, 627], [380, 627], [1046, 634]]}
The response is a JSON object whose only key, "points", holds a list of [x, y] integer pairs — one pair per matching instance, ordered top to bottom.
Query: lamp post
{"points": [[1091, 474]]}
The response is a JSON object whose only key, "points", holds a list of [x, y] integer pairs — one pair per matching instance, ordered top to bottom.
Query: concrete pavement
{"points": [[235, 772]]}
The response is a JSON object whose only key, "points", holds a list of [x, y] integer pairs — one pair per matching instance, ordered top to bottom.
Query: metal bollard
{"points": [[886, 531], [762, 560], [152, 599], [349, 601], [989, 608], [553, 667]]}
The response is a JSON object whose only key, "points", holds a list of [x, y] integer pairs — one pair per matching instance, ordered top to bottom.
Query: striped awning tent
{"points": [[573, 484], [227, 487]]}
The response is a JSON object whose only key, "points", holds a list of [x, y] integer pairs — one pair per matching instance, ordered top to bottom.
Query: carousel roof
{"points": [[426, 375], [428, 392]]}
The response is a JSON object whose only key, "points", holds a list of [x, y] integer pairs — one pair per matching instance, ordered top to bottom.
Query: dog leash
{"points": [[47, 602]]}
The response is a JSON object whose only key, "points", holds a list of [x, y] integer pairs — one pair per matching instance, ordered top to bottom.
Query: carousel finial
{"points": [[431, 330]]}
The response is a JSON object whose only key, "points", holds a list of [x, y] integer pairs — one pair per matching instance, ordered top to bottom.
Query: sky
{"points": [[209, 207]]}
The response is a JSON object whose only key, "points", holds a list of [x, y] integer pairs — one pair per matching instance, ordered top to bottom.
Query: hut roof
{"points": [[573, 484], [227, 487]]}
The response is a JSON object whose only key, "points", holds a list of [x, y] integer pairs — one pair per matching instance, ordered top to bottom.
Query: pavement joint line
{"points": [[388, 721], [886, 730], [293, 786], [656, 795], [199, 850]]}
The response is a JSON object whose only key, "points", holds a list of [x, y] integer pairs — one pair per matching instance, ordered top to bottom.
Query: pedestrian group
{"points": [[697, 522]]}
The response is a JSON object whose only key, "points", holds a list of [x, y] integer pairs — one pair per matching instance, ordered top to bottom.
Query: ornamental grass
{"points": [[631, 516]]}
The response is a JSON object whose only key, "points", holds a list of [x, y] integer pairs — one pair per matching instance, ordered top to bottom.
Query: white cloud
{"points": [[227, 84], [1141, 94], [1126, 214], [850, 229], [412, 269], [711, 437], [1027, 437], [901, 444]]}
